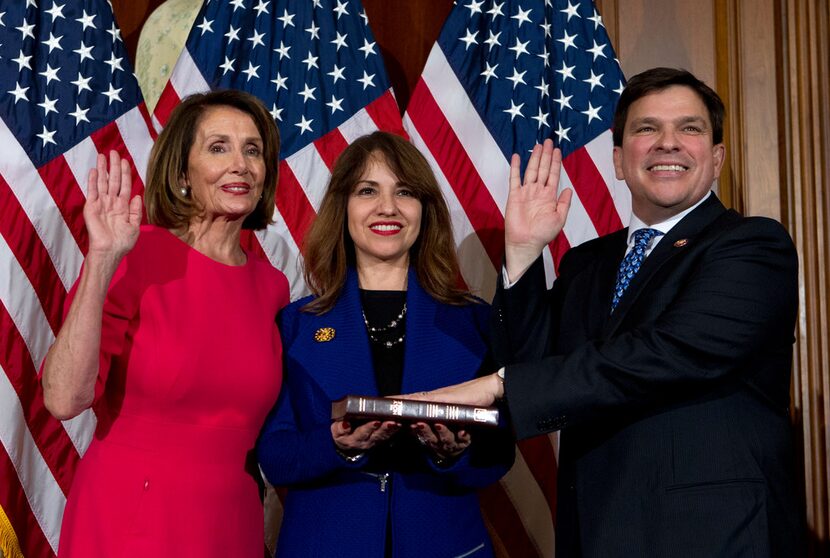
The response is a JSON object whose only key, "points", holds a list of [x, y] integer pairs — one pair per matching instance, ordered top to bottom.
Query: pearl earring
{"points": [[183, 191]]}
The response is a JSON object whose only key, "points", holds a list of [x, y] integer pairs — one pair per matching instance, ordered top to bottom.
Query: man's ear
{"points": [[719, 156], [618, 170]]}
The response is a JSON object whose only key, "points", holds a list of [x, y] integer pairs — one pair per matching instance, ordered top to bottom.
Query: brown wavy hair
{"points": [[166, 205], [328, 255]]}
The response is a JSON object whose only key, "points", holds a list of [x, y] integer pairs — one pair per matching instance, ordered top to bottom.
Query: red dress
{"points": [[190, 366]]}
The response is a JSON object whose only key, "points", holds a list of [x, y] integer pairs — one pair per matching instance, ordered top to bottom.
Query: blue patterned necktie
{"points": [[631, 263]]}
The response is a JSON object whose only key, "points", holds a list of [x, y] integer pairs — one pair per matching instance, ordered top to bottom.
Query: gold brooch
{"points": [[681, 243], [324, 334]]}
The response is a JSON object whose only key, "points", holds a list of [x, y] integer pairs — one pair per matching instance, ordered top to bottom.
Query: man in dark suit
{"points": [[663, 352]]}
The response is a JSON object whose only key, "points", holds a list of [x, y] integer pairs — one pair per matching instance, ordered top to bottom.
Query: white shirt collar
{"points": [[636, 223]]}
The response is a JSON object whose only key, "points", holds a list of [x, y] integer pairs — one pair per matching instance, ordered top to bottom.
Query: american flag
{"points": [[317, 67], [503, 76], [66, 92]]}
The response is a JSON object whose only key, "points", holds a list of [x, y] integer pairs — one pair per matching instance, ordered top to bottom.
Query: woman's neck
{"points": [[218, 240], [383, 276]]}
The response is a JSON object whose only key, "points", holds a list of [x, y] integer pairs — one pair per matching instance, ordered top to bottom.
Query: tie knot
{"points": [[643, 236]]}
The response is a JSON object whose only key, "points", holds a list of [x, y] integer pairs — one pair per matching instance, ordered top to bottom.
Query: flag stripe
{"points": [[385, 113], [329, 147], [454, 163], [592, 191], [68, 198], [293, 204], [507, 529], [32, 542]]}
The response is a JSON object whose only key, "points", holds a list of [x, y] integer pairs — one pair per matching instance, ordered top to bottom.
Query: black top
{"points": [[380, 308]]}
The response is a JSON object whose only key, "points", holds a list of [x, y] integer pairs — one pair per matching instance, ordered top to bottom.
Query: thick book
{"points": [[363, 407]]}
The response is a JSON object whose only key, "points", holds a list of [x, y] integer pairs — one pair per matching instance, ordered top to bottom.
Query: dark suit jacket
{"points": [[673, 411], [337, 508]]}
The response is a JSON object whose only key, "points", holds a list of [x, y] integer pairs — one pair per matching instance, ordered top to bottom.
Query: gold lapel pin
{"points": [[681, 243], [324, 334]]}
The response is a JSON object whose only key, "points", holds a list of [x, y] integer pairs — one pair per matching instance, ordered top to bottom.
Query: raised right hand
{"points": [[534, 214], [112, 218]]}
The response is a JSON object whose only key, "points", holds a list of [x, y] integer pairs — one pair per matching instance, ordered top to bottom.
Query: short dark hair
{"points": [[658, 79], [166, 205], [328, 248]]}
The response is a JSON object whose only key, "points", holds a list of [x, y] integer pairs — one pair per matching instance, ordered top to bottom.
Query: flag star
{"points": [[31, 3], [317, 3], [237, 4], [474, 7], [261, 8], [340, 9], [496, 10], [56, 11], [571, 11], [2, 15], [521, 16], [364, 17], [287, 19], [597, 19], [86, 20], [205, 25], [545, 27], [26, 29], [314, 31], [115, 32], [232, 34], [469, 39], [256, 40], [493, 40], [568, 40], [339, 41], [53, 42], [367, 48], [519, 48], [597, 50], [283, 51], [84, 52], [544, 56], [23, 61], [311, 61], [114, 63], [227, 65], [251, 71], [566, 71], [489, 72], [337, 73], [50, 74], [517, 78], [367, 80], [594, 80], [280, 82], [82, 83], [543, 88], [619, 88], [19, 92], [307, 93], [112, 94], [563, 101], [335, 104], [48, 105], [514, 110], [592, 112], [276, 113], [79, 114], [541, 118], [304, 125], [562, 134], [47, 136]]}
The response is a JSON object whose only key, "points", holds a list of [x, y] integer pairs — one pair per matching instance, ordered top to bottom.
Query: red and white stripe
{"points": [[473, 173], [42, 242]]}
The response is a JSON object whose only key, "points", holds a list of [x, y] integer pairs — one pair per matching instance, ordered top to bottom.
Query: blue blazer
{"points": [[337, 508]]}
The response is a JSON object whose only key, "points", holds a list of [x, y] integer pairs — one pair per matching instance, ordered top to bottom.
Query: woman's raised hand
{"points": [[535, 214], [112, 218]]}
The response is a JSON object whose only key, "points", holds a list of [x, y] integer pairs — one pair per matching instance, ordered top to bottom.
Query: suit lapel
{"points": [[678, 240]]}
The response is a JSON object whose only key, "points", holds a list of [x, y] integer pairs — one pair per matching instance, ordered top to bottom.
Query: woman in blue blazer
{"points": [[387, 317]]}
